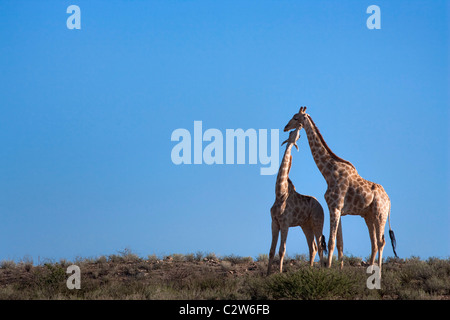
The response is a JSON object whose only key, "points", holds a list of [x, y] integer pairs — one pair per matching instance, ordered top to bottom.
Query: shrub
{"points": [[129, 256], [198, 256], [211, 256], [178, 257], [190, 257], [262, 257], [301, 257], [152, 258], [237, 260], [352, 261], [7, 264], [311, 284]]}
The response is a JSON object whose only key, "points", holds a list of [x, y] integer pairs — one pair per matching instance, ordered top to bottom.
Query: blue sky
{"points": [[87, 117]]}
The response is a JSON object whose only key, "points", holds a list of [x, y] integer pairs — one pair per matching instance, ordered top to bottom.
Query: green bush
{"points": [[312, 284]]}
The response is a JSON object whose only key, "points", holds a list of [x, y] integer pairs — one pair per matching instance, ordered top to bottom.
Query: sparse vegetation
{"points": [[206, 276], [314, 284]]}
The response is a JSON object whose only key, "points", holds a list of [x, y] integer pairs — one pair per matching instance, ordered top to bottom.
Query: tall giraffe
{"points": [[347, 192], [293, 209]]}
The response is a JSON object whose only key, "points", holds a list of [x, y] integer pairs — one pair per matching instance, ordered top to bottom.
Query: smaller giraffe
{"points": [[292, 209]]}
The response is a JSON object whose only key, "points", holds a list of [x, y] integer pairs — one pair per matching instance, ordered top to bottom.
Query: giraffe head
{"points": [[297, 120], [294, 135]]}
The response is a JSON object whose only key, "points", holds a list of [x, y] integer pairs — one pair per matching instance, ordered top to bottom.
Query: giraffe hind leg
{"points": [[379, 227], [309, 234], [283, 237], [373, 240], [340, 244]]}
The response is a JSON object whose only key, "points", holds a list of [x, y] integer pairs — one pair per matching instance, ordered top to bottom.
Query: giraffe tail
{"points": [[391, 234], [323, 244]]}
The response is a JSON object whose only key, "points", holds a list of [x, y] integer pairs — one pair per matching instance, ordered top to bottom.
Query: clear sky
{"points": [[86, 118]]}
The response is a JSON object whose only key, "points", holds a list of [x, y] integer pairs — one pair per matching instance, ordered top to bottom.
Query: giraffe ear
{"points": [[285, 141], [295, 145]]}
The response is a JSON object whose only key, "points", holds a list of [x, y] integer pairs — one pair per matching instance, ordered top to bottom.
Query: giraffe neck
{"points": [[327, 162], [282, 186]]}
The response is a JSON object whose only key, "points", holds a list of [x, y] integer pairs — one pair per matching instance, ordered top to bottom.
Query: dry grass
{"points": [[205, 276]]}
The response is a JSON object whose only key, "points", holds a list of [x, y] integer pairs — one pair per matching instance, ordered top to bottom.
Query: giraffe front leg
{"points": [[335, 215], [273, 246]]}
